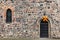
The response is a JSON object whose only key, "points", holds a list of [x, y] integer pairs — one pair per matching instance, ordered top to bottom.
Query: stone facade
{"points": [[26, 16]]}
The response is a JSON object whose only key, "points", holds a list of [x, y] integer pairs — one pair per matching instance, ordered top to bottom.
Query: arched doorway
{"points": [[8, 16], [44, 27]]}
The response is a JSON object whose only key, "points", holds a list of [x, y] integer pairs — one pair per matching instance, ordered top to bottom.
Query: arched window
{"points": [[8, 16], [44, 27]]}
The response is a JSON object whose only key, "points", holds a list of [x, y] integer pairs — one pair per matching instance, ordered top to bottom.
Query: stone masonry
{"points": [[26, 16]]}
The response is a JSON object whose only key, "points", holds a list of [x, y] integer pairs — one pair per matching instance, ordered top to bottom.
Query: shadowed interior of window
{"points": [[8, 16]]}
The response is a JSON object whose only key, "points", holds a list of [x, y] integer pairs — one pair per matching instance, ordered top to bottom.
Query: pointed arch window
{"points": [[8, 16]]}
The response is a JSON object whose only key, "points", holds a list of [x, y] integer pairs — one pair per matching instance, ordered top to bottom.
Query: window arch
{"points": [[8, 16], [45, 27]]}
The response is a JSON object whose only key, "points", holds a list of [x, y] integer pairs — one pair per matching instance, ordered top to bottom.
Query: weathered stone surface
{"points": [[26, 16]]}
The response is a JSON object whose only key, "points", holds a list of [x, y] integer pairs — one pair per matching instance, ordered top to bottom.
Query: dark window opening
{"points": [[8, 16], [44, 29]]}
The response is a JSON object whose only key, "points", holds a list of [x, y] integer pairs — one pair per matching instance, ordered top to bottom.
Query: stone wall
{"points": [[26, 16]]}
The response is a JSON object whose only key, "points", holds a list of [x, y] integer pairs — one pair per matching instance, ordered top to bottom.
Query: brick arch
{"points": [[5, 9], [8, 16]]}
